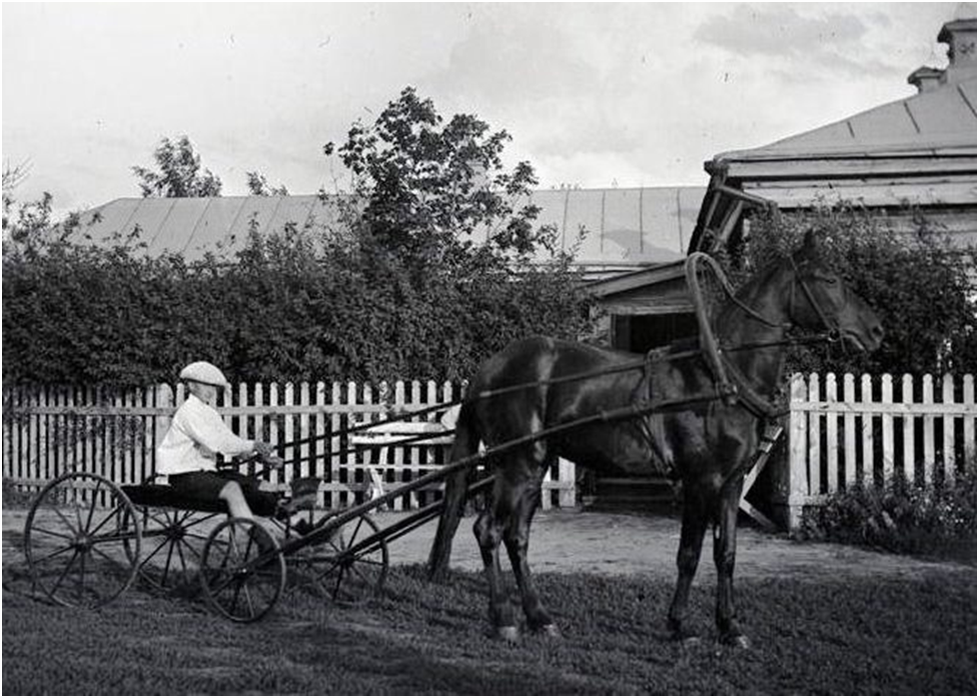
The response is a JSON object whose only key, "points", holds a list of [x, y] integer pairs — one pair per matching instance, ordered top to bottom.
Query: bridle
{"points": [[739, 389]]}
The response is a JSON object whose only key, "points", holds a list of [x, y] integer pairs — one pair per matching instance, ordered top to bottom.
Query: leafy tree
{"points": [[178, 172], [258, 185], [429, 186], [24, 221], [917, 282], [391, 292]]}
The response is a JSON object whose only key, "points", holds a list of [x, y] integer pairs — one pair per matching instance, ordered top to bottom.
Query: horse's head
{"points": [[821, 301]]}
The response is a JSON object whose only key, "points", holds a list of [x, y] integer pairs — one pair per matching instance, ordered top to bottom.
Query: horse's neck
{"points": [[769, 297]]}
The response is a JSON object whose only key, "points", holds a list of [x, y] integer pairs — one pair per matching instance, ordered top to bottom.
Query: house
{"points": [[920, 150]]}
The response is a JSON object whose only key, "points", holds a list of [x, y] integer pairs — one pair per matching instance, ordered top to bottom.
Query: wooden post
{"points": [[969, 426], [887, 427], [907, 428], [867, 429], [849, 430], [948, 430], [832, 438], [928, 438], [798, 475], [816, 484]]}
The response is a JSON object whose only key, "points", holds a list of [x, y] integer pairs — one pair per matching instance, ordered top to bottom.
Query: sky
{"points": [[594, 95]]}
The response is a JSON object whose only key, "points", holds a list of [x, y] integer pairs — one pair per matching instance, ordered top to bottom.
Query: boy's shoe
{"points": [[303, 527], [264, 542]]}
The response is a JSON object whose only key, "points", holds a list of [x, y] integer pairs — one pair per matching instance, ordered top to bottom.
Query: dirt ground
{"points": [[616, 543]]}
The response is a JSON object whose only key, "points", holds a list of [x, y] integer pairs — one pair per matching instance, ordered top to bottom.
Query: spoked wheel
{"points": [[82, 540], [173, 546], [349, 568], [242, 571]]}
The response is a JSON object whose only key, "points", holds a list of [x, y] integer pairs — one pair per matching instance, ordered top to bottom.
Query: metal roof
{"points": [[935, 123], [625, 228]]}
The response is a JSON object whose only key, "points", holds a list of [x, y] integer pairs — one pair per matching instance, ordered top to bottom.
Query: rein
{"points": [[732, 385]]}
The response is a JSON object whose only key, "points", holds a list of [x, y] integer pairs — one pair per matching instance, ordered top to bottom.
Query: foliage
{"points": [[178, 172], [258, 185], [430, 186], [27, 220], [918, 284], [399, 289], [936, 519]]}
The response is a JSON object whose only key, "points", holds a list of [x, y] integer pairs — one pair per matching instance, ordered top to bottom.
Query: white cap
{"points": [[204, 372]]}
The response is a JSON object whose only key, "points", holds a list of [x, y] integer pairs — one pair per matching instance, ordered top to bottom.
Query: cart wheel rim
{"points": [[82, 541], [173, 548], [350, 568], [240, 581]]}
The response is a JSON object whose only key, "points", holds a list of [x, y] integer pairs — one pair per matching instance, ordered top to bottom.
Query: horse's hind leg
{"points": [[517, 538], [725, 546], [688, 556]]}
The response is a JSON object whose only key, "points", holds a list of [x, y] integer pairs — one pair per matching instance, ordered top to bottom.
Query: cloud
{"points": [[833, 41]]}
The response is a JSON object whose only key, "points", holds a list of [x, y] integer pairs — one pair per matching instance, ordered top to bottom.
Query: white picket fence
{"points": [[51, 430], [844, 431], [839, 432]]}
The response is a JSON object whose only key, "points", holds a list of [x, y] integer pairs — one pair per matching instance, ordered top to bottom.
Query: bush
{"points": [[918, 283], [285, 309], [907, 517]]}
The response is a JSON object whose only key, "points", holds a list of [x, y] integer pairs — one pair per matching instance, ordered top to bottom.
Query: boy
{"points": [[197, 433]]}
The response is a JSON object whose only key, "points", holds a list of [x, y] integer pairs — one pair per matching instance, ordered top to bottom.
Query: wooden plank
{"points": [[887, 428], [969, 428], [907, 429], [304, 430], [849, 430], [948, 430], [867, 433], [928, 435], [832, 437], [334, 457], [816, 483], [799, 490]]}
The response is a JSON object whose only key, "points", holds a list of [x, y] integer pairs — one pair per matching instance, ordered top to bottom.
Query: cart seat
{"points": [[149, 495]]}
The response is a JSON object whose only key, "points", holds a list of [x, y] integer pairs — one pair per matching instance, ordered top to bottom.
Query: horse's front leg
{"points": [[489, 527], [517, 539], [725, 547], [688, 556]]}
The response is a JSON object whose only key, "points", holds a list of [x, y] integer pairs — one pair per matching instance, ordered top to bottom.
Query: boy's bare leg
{"points": [[235, 499]]}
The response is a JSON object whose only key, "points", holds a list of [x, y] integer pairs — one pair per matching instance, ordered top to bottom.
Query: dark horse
{"points": [[707, 442]]}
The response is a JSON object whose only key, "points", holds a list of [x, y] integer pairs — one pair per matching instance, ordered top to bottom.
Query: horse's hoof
{"points": [[550, 630], [507, 633], [686, 638], [738, 641]]}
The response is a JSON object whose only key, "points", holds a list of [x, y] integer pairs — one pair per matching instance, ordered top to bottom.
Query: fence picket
{"points": [[969, 426], [887, 427], [48, 430], [867, 430], [948, 431], [928, 432], [908, 463], [834, 479]]}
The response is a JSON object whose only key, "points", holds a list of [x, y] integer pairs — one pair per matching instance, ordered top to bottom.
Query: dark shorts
{"points": [[206, 485]]}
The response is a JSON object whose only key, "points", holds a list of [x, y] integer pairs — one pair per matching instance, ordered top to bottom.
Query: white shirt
{"points": [[195, 437]]}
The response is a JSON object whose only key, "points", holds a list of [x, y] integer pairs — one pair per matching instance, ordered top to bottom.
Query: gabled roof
{"points": [[941, 122], [626, 228]]}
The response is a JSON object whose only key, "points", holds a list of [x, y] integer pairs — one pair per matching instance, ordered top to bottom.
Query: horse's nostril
{"points": [[878, 331]]}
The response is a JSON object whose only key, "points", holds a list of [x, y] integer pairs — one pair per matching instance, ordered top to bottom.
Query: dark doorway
{"points": [[640, 333]]}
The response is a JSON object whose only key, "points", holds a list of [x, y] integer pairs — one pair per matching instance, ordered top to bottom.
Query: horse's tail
{"points": [[465, 444]]}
